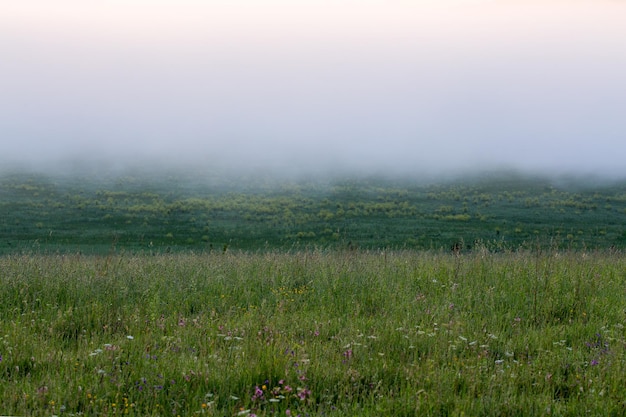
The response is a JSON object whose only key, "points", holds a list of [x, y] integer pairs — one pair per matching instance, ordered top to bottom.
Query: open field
{"points": [[149, 212], [332, 333]]}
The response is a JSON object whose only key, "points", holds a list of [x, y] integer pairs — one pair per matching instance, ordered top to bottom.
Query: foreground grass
{"points": [[314, 333]]}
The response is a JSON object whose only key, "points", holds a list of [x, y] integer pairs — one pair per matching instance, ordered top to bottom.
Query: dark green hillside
{"points": [[144, 213]]}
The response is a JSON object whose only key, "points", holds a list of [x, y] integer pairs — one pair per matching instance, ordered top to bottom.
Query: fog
{"points": [[316, 86]]}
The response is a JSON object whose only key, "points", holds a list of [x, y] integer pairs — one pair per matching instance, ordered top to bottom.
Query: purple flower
{"points": [[594, 362], [258, 394], [303, 394]]}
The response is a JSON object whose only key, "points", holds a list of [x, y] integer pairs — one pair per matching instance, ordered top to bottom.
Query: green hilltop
{"points": [[144, 212]]}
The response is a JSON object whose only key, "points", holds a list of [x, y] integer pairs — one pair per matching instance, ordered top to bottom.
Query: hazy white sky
{"points": [[422, 85]]}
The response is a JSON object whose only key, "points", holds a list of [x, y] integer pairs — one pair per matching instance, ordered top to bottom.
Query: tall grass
{"points": [[312, 333]]}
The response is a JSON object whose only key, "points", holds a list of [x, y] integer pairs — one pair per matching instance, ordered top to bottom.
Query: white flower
{"points": [[95, 352]]}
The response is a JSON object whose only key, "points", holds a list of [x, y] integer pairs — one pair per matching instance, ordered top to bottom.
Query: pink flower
{"points": [[258, 393], [303, 394]]}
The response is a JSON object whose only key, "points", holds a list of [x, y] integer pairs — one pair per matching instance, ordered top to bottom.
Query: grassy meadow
{"points": [[152, 213], [317, 332]]}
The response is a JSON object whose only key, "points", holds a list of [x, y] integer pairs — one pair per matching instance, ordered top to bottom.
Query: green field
{"points": [[145, 212], [171, 294], [331, 333]]}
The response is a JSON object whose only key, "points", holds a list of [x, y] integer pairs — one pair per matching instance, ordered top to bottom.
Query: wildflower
{"points": [[129, 337], [94, 353], [348, 353], [258, 394], [303, 394]]}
